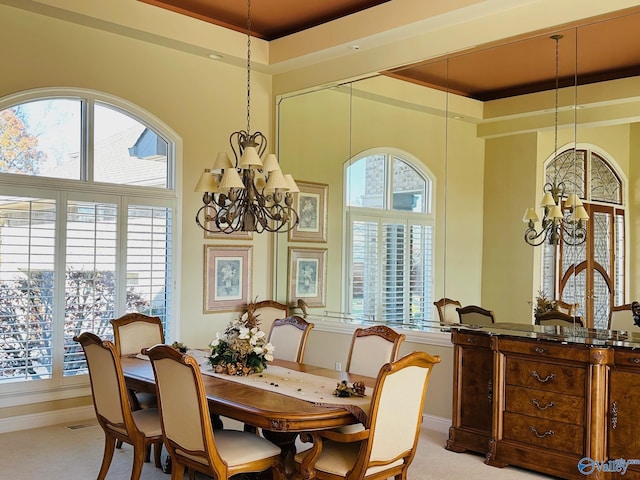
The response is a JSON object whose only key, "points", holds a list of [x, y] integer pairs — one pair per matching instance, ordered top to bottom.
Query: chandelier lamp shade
{"points": [[246, 194], [568, 223]]}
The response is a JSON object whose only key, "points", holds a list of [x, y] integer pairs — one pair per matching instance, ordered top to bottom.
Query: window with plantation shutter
{"points": [[87, 202], [389, 239]]}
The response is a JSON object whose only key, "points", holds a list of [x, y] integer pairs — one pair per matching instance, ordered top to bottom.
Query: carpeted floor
{"points": [[75, 451]]}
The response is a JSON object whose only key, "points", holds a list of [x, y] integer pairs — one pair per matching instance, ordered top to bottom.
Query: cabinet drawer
{"points": [[472, 339], [545, 350], [627, 357], [545, 376], [543, 404], [544, 433]]}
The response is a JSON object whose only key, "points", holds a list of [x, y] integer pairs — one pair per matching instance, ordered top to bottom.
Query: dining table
{"points": [[281, 412]]}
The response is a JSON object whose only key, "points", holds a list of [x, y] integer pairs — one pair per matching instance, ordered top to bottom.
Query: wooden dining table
{"points": [[281, 417]]}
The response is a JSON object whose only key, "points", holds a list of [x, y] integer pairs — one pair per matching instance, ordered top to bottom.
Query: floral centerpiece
{"points": [[543, 304], [243, 348]]}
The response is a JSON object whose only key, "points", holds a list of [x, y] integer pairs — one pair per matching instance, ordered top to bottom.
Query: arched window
{"points": [[87, 208], [389, 238], [591, 274]]}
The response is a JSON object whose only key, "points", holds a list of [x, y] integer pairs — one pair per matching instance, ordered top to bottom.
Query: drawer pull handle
{"points": [[472, 340], [539, 350], [635, 360], [549, 377], [540, 407], [614, 415], [548, 433]]}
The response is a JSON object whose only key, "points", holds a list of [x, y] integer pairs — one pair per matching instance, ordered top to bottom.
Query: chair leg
{"points": [[119, 443], [157, 450], [147, 453], [107, 456], [138, 460], [177, 471]]}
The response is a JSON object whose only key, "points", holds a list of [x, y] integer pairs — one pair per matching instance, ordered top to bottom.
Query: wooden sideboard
{"points": [[555, 400]]}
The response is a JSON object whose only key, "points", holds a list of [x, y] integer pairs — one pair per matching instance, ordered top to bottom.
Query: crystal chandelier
{"points": [[246, 195], [554, 223]]}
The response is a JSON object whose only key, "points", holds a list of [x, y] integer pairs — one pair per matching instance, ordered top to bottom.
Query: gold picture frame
{"points": [[311, 205], [307, 275], [227, 286]]}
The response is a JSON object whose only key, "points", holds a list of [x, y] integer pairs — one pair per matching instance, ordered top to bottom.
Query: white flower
{"points": [[243, 333], [214, 343], [268, 348], [258, 350], [268, 357]]}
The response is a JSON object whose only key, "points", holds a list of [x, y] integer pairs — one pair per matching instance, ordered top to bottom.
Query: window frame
{"points": [[387, 213], [20, 391]]}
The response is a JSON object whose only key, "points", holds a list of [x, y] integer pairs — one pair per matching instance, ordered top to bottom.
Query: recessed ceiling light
{"points": [[354, 47], [215, 56]]}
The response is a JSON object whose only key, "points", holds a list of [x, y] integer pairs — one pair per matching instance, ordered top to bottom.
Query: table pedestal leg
{"points": [[287, 443]]}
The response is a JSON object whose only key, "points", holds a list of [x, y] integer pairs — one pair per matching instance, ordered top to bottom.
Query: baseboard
{"points": [[46, 419], [439, 424]]}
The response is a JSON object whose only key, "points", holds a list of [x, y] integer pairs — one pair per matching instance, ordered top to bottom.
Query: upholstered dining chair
{"points": [[568, 308], [447, 310], [268, 311], [475, 315], [558, 318], [621, 318], [132, 332], [289, 338], [371, 348], [140, 428], [187, 432], [386, 446]]}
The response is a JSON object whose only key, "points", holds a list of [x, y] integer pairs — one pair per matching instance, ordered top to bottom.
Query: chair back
{"points": [[568, 308], [447, 310], [267, 312], [475, 315], [557, 318], [621, 318], [134, 331], [289, 338], [371, 348], [108, 386], [186, 424], [393, 435]]}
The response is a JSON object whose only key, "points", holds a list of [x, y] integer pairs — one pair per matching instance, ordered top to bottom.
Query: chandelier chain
{"points": [[248, 66]]}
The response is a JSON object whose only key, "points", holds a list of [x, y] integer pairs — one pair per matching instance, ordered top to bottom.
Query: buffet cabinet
{"points": [[564, 408]]}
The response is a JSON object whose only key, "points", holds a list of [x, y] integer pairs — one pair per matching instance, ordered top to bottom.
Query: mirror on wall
{"points": [[487, 161]]}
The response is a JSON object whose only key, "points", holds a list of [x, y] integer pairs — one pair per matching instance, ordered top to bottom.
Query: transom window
{"points": [[87, 212], [389, 238]]}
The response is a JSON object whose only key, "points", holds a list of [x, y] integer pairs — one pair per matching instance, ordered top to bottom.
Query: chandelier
{"points": [[247, 194], [571, 226]]}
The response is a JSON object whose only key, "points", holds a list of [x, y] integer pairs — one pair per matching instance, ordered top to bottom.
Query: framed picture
{"points": [[311, 205], [217, 233], [307, 268], [226, 277]]}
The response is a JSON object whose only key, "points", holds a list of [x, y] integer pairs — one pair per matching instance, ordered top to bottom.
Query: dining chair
{"points": [[568, 308], [447, 310], [268, 311], [475, 315], [558, 318], [621, 318], [132, 332], [289, 338], [371, 348], [140, 428], [187, 431], [387, 444]]}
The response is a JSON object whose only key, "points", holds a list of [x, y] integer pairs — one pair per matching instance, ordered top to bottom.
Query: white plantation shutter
{"points": [[27, 248], [149, 252], [394, 272], [90, 286]]}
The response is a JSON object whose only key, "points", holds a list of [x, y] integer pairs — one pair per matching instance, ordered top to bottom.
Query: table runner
{"points": [[301, 385], [315, 389]]}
